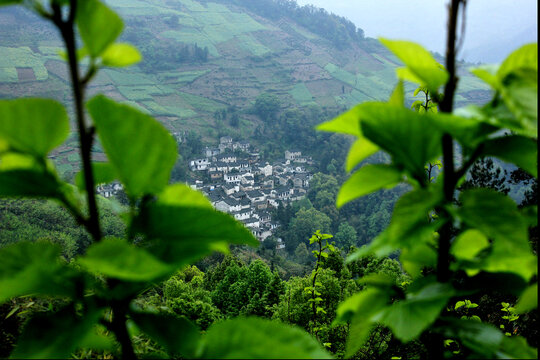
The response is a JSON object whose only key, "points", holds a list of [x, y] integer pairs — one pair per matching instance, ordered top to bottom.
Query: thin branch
{"points": [[68, 35]]}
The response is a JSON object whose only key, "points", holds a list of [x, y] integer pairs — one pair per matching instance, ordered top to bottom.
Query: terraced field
{"points": [[248, 55]]}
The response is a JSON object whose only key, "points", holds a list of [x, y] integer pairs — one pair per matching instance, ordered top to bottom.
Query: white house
{"points": [[199, 164]]}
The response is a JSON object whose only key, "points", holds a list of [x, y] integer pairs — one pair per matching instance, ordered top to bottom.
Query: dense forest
{"points": [[406, 245]]}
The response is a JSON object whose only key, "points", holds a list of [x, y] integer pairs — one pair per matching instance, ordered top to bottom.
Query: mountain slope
{"points": [[204, 57]]}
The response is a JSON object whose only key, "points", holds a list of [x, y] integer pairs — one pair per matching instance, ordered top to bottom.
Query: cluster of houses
{"points": [[240, 184]]}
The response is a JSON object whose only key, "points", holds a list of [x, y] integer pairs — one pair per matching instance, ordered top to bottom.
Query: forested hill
{"points": [[207, 62]]}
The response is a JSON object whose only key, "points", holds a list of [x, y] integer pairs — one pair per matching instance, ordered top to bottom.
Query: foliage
{"points": [[168, 226], [493, 231]]}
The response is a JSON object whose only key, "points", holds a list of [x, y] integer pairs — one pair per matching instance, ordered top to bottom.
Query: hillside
{"points": [[202, 58]]}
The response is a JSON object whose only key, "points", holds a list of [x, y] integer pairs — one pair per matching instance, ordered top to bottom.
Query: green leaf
{"points": [[10, 2], [98, 25], [120, 55], [526, 57], [419, 62], [487, 73], [520, 94], [398, 95], [346, 123], [33, 126], [468, 130], [410, 138], [140, 148], [361, 149], [519, 150], [103, 173], [368, 179], [29, 183], [183, 195], [497, 216], [184, 234], [468, 244], [416, 257], [116, 258], [34, 268], [528, 300], [360, 310], [409, 317], [176, 334], [55, 336], [256, 338], [481, 338], [516, 347]]}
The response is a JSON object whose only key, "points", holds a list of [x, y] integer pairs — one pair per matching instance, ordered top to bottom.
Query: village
{"points": [[238, 182]]}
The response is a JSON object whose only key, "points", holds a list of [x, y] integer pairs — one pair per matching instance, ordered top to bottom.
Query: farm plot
{"points": [[192, 36], [247, 42], [13, 58], [340, 74], [182, 77], [127, 79], [143, 92], [301, 94], [201, 103], [160, 110]]}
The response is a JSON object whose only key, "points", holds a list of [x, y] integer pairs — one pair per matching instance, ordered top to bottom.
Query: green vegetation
{"points": [[12, 59], [86, 277]]}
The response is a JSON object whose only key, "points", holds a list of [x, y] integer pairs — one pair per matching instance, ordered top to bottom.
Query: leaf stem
{"points": [[85, 135]]}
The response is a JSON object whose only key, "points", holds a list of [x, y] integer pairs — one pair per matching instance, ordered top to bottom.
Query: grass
{"points": [[304, 33], [192, 36], [247, 42], [21, 57], [8, 74], [340, 74], [183, 77], [126, 79], [143, 92], [300, 93], [201, 103], [135, 105], [160, 110]]}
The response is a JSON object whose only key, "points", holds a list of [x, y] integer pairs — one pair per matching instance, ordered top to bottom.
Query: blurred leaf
{"points": [[10, 2], [98, 26], [120, 55], [526, 57], [419, 62], [487, 73], [520, 94], [398, 95], [346, 123], [33, 126], [468, 130], [410, 138], [139, 147], [361, 149], [518, 150], [103, 173], [368, 179], [28, 183], [183, 195], [497, 216], [183, 234], [468, 244], [416, 257], [116, 258], [34, 268], [528, 300], [359, 310], [408, 318], [176, 334], [55, 335], [256, 338], [482, 338], [516, 347]]}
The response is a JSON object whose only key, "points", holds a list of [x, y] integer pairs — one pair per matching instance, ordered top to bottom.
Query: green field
{"points": [[192, 36], [247, 42], [12, 58], [340, 74], [182, 77], [126, 79], [300, 93], [201, 103]]}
